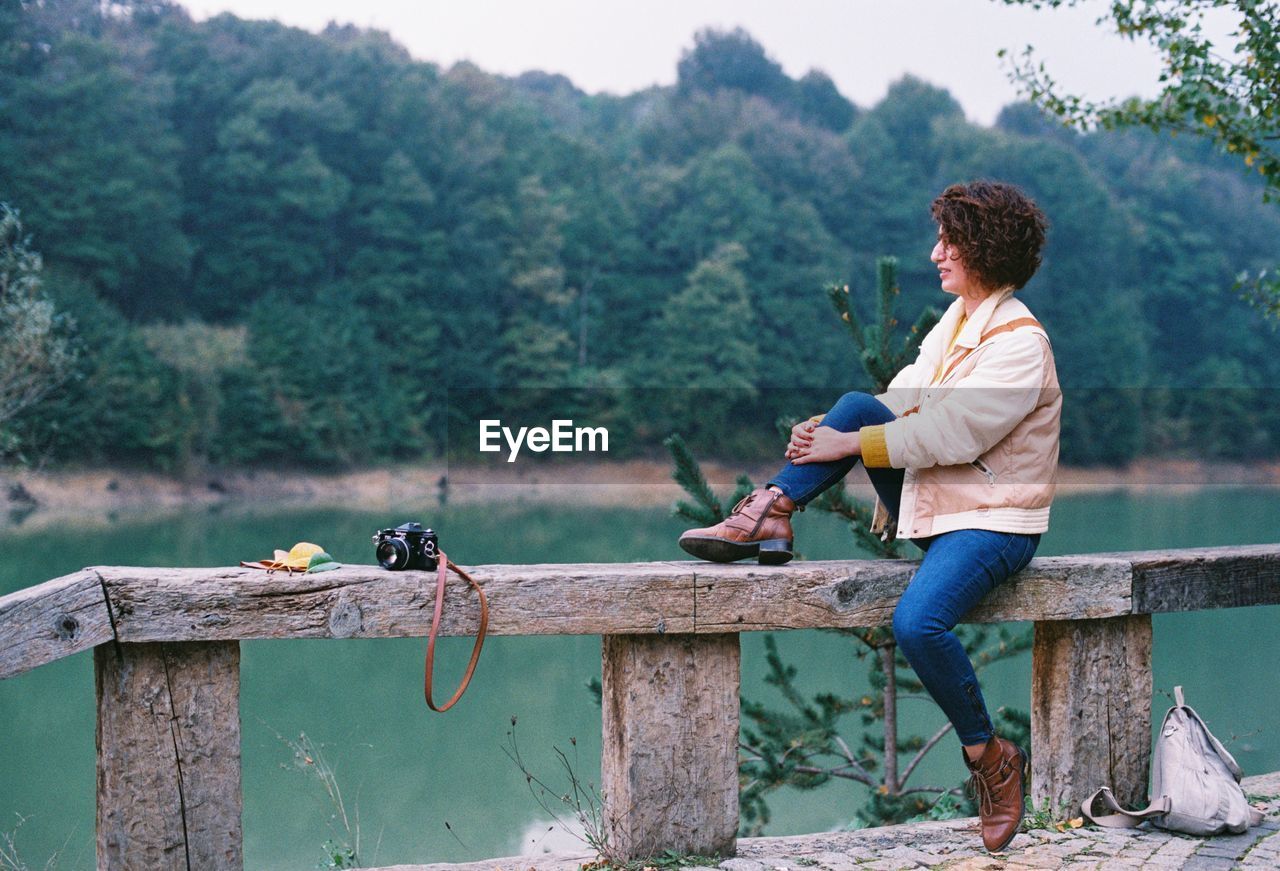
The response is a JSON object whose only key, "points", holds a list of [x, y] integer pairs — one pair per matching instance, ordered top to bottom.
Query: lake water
{"points": [[407, 772]]}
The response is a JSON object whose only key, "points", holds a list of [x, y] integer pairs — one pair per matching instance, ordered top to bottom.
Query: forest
{"points": [[268, 246]]}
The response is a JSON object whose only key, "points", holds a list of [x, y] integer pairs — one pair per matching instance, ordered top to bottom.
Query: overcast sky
{"points": [[863, 45]]}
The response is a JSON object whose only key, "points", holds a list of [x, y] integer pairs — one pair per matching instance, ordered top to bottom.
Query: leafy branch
{"points": [[1231, 99]]}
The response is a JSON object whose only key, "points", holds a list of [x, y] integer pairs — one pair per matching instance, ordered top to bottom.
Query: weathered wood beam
{"points": [[1195, 579], [153, 604], [165, 604], [52, 620], [1091, 710], [168, 741], [669, 744]]}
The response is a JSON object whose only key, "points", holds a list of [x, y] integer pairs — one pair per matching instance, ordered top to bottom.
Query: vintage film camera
{"points": [[408, 546]]}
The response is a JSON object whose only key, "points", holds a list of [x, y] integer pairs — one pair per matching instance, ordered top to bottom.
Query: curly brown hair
{"points": [[996, 229]]}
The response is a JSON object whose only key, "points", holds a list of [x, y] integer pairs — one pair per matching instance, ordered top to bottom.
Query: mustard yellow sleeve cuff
{"points": [[875, 453]]}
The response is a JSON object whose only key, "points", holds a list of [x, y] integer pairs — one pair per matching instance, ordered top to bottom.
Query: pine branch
{"points": [[887, 279], [844, 310], [927, 320], [742, 488], [836, 500], [706, 508], [1009, 645], [928, 745], [857, 775], [936, 790]]}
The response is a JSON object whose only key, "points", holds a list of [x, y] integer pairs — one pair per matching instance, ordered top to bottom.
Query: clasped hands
{"points": [[811, 442]]}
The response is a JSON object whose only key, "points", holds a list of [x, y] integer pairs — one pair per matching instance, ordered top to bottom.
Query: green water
{"points": [[408, 772]]}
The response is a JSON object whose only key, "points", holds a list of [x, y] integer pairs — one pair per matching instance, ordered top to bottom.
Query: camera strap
{"points": [[444, 564]]}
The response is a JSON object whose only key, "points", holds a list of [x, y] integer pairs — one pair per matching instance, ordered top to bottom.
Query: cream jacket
{"points": [[980, 446]]}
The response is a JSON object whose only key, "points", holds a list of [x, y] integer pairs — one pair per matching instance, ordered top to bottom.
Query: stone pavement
{"points": [[955, 845]]}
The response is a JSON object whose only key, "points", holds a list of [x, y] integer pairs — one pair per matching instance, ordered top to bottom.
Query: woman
{"points": [[962, 451]]}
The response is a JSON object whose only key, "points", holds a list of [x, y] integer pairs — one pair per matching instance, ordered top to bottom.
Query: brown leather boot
{"points": [[759, 526], [999, 783]]}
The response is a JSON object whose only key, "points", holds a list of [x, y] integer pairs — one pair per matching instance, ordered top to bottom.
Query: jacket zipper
{"points": [[981, 467]]}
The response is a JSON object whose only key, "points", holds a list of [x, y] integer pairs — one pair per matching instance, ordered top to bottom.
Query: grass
{"points": [[580, 800], [583, 802], [1046, 817], [342, 850], [11, 859], [667, 861]]}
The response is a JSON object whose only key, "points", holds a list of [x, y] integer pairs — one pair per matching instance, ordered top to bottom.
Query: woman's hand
{"points": [[801, 437], [823, 444]]}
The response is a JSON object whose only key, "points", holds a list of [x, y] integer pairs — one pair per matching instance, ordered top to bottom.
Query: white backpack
{"points": [[1195, 783]]}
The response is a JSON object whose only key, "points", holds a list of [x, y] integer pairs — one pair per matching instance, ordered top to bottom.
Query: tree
{"points": [[731, 59], [1231, 98], [823, 104], [902, 141], [87, 153], [721, 201], [273, 202], [491, 232], [396, 270], [535, 305], [706, 329], [703, 354], [35, 355], [199, 356], [320, 378], [120, 403]]}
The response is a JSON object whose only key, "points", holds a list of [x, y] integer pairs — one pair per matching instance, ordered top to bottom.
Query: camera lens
{"points": [[393, 554]]}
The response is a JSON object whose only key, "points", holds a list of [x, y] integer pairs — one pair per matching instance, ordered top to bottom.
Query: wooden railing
{"points": [[166, 663]]}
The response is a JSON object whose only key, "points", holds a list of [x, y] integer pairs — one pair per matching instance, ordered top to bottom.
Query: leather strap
{"points": [[1007, 327], [441, 573], [1119, 818]]}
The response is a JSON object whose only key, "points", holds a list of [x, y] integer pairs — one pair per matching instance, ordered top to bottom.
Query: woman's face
{"points": [[954, 277]]}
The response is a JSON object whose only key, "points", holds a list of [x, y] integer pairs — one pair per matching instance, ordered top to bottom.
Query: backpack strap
{"points": [[1119, 818]]}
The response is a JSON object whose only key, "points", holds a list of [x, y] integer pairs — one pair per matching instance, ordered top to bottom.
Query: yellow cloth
{"points": [[937, 376], [875, 453]]}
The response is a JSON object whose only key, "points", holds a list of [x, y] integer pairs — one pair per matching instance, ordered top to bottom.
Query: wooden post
{"points": [[1091, 710], [168, 742], [669, 766]]}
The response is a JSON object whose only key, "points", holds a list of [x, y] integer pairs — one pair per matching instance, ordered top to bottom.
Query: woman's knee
{"points": [[857, 409], [914, 629]]}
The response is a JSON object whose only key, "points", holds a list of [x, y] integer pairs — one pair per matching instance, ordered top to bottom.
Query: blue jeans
{"points": [[959, 569]]}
